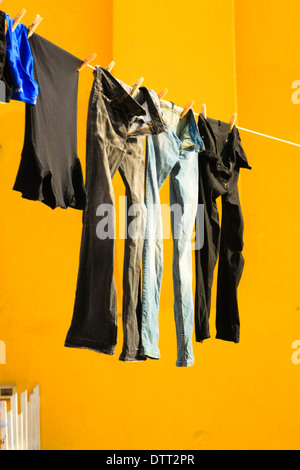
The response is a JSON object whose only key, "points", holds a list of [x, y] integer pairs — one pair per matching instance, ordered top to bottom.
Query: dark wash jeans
{"points": [[116, 129], [219, 166]]}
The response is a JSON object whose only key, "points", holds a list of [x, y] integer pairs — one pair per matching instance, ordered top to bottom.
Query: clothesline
{"points": [[37, 21], [247, 130], [269, 136]]}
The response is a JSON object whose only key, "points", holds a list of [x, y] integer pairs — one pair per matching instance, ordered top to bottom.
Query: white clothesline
{"points": [[247, 130], [269, 136]]}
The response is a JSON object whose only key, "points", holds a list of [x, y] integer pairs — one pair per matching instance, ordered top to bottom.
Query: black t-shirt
{"points": [[50, 170]]}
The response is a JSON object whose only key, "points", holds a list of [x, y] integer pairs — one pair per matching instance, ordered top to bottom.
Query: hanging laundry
{"points": [[20, 60], [5, 75], [116, 130], [173, 153], [219, 166], [50, 170]]}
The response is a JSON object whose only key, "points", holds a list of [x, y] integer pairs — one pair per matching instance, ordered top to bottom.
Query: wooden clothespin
{"points": [[18, 18], [37, 20], [87, 60], [111, 66], [136, 86], [162, 93], [186, 108], [203, 110], [232, 121]]}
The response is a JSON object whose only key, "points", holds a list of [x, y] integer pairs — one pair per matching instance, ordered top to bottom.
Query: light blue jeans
{"points": [[172, 153]]}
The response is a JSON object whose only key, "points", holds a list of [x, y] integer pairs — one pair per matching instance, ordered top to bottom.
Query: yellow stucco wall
{"points": [[224, 54]]}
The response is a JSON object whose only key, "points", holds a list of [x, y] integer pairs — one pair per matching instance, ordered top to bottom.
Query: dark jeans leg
{"points": [[132, 170], [206, 259], [231, 264], [94, 322]]}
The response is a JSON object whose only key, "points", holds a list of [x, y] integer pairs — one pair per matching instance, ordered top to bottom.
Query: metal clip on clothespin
{"points": [[18, 18], [37, 20], [86, 61], [136, 86], [162, 93], [186, 108], [232, 122]]}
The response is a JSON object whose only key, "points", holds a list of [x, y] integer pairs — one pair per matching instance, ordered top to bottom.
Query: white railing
{"points": [[2, 353], [21, 431]]}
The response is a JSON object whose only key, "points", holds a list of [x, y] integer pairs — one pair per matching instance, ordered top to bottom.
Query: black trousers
{"points": [[219, 166]]}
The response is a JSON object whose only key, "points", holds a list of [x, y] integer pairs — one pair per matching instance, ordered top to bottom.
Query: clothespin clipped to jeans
{"points": [[18, 18], [37, 20], [86, 61], [111, 66], [136, 86], [162, 93], [186, 109], [232, 121]]}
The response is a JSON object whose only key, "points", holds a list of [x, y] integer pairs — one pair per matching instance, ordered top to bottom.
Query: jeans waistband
{"points": [[109, 86], [142, 104], [157, 120], [190, 120], [213, 133]]}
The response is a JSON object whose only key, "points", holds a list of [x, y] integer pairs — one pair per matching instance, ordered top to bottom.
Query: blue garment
{"points": [[20, 61], [172, 153]]}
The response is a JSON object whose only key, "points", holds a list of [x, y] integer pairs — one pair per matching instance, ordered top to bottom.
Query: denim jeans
{"points": [[116, 129], [173, 153], [219, 166]]}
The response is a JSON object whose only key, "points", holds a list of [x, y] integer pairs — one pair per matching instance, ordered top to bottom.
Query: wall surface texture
{"points": [[236, 396]]}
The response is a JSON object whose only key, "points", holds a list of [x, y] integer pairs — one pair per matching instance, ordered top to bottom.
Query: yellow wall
{"points": [[268, 62], [235, 396]]}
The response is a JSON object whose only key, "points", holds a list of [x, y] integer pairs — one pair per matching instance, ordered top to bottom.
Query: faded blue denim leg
{"points": [[172, 153], [156, 171], [183, 181]]}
